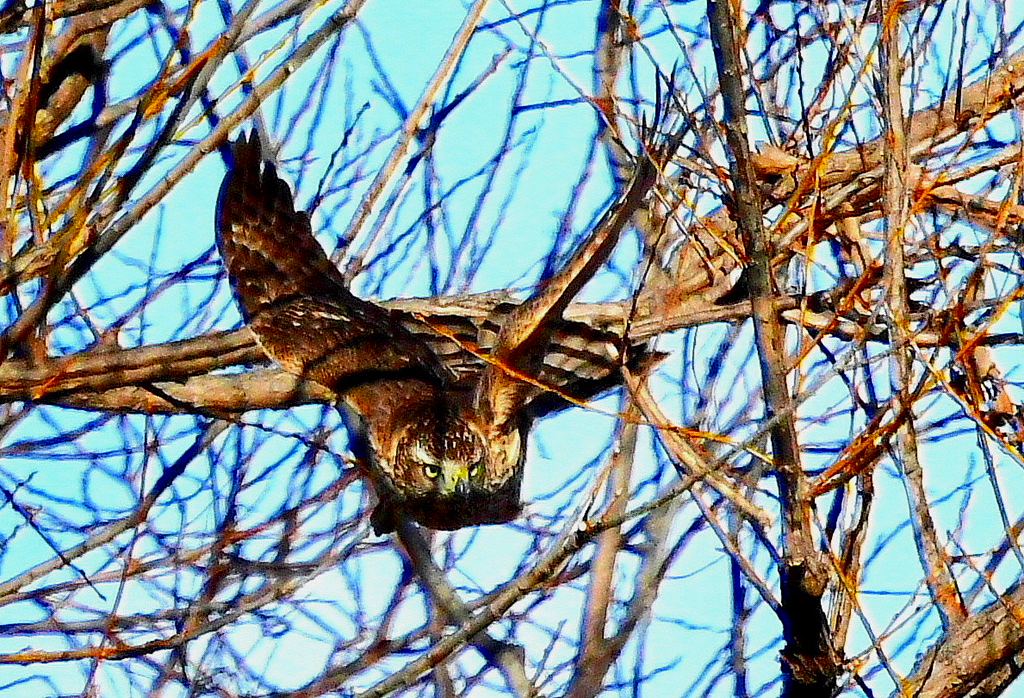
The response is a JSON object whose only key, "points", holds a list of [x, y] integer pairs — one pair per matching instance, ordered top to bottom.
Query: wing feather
{"points": [[269, 248], [296, 301], [526, 332]]}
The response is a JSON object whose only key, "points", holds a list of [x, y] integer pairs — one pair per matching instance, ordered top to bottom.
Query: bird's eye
{"points": [[431, 471]]}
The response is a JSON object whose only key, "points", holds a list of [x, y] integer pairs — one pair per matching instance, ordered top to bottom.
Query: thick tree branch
{"points": [[810, 665]]}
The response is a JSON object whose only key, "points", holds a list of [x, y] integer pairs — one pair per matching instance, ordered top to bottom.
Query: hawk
{"points": [[444, 455]]}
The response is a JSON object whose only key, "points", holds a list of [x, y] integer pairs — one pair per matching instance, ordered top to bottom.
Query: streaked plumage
{"points": [[432, 453], [447, 454]]}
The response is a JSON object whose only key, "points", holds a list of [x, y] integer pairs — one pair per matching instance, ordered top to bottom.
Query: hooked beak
{"points": [[455, 479]]}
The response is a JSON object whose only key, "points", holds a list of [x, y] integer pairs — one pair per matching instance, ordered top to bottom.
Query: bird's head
{"points": [[446, 470]]}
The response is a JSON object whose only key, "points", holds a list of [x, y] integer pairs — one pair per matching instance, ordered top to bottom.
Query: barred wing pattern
{"points": [[296, 301], [429, 455]]}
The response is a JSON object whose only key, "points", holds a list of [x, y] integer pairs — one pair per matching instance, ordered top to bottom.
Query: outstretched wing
{"points": [[268, 246], [296, 301], [527, 330]]}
